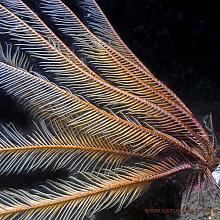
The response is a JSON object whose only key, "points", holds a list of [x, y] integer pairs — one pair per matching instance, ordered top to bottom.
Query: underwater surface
{"points": [[178, 41]]}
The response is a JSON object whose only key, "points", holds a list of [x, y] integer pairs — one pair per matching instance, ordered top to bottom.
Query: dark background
{"points": [[178, 42]]}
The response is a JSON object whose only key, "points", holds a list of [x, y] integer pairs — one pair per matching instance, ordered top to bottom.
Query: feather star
{"points": [[98, 112]]}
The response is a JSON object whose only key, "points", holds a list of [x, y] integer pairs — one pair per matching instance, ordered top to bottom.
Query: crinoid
{"points": [[98, 113]]}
